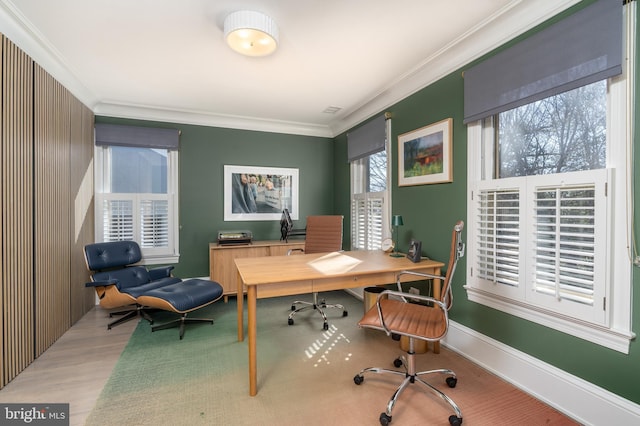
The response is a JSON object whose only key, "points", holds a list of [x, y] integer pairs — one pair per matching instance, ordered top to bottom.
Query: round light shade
{"points": [[251, 33], [397, 220]]}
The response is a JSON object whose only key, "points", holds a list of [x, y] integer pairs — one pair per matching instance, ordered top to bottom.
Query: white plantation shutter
{"points": [[375, 206], [367, 212], [117, 219], [154, 222], [359, 222], [152, 229], [498, 236], [539, 239], [565, 242], [568, 244]]}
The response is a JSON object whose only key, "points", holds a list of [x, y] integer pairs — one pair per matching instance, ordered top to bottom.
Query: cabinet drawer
{"points": [[339, 283]]}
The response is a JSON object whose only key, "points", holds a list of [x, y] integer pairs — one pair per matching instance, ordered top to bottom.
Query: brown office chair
{"points": [[323, 235], [417, 317]]}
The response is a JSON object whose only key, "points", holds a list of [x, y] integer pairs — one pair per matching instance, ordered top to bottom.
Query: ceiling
{"points": [[166, 60]]}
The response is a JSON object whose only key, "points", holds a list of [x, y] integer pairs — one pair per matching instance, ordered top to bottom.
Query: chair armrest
{"points": [[292, 250], [160, 272], [418, 274], [426, 276], [102, 283], [410, 296]]}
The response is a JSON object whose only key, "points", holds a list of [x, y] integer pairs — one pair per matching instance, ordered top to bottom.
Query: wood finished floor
{"points": [[75, 368]]}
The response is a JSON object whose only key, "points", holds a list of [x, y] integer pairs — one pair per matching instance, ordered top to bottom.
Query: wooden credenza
{"points": [[222, 268]]}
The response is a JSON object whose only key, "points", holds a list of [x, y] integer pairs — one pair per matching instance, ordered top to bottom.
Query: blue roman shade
{"points": [[581, 49], [133, 136], [367, 139]]}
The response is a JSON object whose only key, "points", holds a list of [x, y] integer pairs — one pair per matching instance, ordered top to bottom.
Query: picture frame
{"points": [[425, 155], [259, 193]]}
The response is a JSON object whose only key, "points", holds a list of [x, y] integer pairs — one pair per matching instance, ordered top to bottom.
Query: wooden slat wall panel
{"points": [[16, 201], [46, 205], [52, 209], [82, 209]]}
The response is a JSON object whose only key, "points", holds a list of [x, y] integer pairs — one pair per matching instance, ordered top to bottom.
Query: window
{"points": [[549, 176], [136, 199], [368, 201], [551, 203], [370, 206], [547, 235]]}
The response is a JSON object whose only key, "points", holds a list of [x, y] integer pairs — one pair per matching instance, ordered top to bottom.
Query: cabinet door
{"points": [[283, 249], [223, 269]]}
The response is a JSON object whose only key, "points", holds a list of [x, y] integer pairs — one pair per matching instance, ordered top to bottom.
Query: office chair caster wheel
{"points": [[293, 307], [345, 313], [290, 321], [325, 326], [397, 363], [358, 379], [452, 382], [384, 419], [455, 421]]}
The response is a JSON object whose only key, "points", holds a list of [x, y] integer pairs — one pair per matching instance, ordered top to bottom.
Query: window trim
{"points": [[149, 256], [618, 334]]}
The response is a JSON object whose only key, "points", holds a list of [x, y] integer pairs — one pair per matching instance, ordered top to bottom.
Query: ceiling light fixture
{"points": [[251, 33]]}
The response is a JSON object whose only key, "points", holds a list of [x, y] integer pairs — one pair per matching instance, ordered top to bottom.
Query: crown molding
{"points": [[15, 26], [503, 26], [486, 36], [141, 112]]}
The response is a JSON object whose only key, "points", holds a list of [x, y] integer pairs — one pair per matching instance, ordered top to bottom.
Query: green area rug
{"points": [[305, 376], [203, 379]]}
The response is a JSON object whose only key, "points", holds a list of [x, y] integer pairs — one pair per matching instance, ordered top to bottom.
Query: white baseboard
{"points": [[356, 292], [571, 395]]}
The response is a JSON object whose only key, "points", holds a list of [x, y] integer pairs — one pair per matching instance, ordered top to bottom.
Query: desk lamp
{"points": [[397, 222]]}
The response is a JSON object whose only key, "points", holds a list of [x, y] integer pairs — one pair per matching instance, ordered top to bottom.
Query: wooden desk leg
{"points": [[437, 287], [240, 306], [252, 333]]}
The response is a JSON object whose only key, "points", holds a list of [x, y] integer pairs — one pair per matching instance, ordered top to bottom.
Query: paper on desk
{"points": [[334, 263]]}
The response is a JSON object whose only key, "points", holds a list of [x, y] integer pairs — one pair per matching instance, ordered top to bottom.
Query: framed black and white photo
{"points": [[259, 193]]}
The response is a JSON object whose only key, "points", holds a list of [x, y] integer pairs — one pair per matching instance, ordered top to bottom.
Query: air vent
{"points": [[331, 109]]}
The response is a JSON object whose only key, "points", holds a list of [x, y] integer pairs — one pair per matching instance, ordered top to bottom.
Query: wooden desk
{"points": [[307, 273]]}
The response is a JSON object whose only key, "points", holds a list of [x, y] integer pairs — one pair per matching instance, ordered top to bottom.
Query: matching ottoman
{"points": [[182, 298]]}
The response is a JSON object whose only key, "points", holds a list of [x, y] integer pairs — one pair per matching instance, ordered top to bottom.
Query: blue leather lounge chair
{"points": [[119, 282]]}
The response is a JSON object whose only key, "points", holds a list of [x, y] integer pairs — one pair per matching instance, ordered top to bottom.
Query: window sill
{"points": [[161, 259], [617, 340]]}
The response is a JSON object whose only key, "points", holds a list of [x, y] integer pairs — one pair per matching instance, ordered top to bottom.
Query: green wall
{"points": [[204, 151], [429, 213]]}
